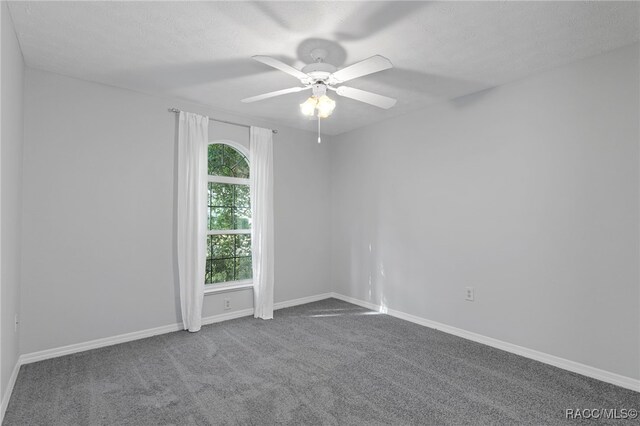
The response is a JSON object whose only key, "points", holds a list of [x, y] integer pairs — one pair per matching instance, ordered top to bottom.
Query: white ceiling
{"points": [[200, 51]]}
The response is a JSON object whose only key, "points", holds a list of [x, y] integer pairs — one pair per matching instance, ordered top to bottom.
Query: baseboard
{"points": [[301, 301], [359, 302], [226, 317], [128, 337], [97, 343], [565, 364], [585, 370], [7, 394]]}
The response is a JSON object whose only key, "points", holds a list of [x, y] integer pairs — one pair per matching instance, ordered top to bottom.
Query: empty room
{"points": [[319, 213]]}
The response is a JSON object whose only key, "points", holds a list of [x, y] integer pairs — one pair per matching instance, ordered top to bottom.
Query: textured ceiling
{"points": [[200, 51]]}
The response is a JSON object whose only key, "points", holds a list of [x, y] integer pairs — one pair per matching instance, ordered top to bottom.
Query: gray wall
{"points": [[99, 166], [528, 193], [10, 195]]}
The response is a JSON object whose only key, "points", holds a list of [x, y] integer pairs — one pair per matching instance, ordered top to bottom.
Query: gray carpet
{"points": [[327, 362]]}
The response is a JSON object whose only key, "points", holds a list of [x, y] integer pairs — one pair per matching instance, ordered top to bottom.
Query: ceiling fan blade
{"points": [[272, 62], [368, 66], [273, 94], [366, 97]]}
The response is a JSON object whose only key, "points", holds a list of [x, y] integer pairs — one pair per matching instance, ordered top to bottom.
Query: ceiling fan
{"points": [[320, 76]]}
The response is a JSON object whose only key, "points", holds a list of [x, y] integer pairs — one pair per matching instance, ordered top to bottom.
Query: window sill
{"points": [[225, 287]]}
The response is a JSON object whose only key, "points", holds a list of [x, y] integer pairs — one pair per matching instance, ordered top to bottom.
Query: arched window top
{"points": [[225, 160]]}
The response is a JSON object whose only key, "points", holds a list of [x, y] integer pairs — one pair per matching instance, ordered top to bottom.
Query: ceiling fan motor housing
{"points": [[319, 71], [319, 89]]}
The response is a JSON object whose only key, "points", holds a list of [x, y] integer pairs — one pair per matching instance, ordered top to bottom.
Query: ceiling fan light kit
{"points": [[320, 76], [318, 101]]}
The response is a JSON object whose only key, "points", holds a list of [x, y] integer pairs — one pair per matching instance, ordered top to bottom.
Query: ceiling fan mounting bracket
{"points": [[318, 54]]}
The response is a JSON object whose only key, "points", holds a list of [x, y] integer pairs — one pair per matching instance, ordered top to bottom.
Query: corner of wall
{"points": [[11, 151]]}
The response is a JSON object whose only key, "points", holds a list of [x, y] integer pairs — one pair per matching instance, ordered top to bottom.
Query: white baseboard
{"points": [[301, 301], [358, 302], [225, 317], [128, 337], [97, 343], [576, 367], [7, 394]]}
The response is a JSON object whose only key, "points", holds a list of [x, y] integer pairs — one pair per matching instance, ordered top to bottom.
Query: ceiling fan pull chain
{"points": [[319, 139]]}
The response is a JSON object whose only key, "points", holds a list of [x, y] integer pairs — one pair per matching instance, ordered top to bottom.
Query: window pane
{"points": [[214, 158], [224, 160], [221, 194], [242, 196], [228, 206], [221, 218], [243, 218], [243, 245], [220, 246], [228, 258], [243, 266], [223, 270]]}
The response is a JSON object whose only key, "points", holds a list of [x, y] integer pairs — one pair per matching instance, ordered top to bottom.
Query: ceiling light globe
{"points": [[326, 105], [308, 107]]}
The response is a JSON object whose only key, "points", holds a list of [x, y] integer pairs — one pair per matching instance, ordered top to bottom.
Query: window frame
{"points": [[210, 288]]}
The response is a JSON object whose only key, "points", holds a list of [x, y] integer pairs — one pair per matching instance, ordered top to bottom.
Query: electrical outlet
{"points": [[469, 294], [227, 304], [16, 322]]}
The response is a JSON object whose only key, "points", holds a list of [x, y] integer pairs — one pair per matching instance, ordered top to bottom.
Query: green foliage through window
{"points": [[224, 160], [229, 206], [228, 209], [228, 258]]}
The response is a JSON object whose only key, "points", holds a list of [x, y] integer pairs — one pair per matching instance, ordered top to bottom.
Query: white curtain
{"points": [[193, 133], [261, 163]]}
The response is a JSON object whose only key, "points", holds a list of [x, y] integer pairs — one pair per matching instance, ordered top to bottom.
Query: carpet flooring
{"points": [[328, 362]]}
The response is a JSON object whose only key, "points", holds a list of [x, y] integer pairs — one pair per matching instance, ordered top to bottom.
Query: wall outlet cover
{"points": [[469, 294]]}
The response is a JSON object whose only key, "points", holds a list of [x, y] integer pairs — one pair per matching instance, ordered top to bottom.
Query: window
{"points": [[229, 216]]}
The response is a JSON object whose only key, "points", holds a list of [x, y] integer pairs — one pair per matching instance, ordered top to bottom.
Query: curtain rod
{"points": [[176, 110]]}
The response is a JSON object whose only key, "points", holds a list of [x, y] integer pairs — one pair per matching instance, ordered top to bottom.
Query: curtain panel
{"points": [[193, 137], [261, 177]]}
